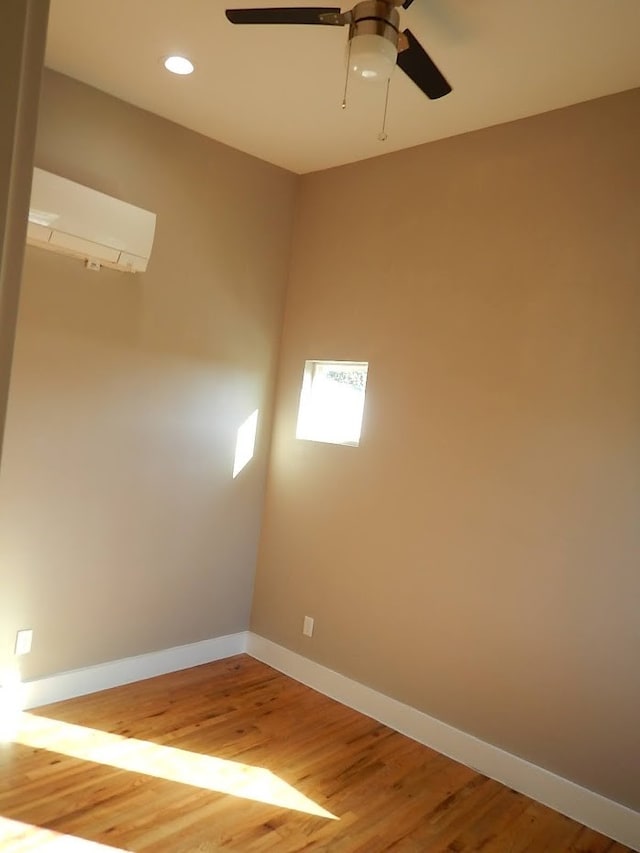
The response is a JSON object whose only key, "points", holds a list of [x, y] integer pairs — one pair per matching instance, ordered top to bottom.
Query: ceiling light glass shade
{"points": [[372, 57], [178, 65]]}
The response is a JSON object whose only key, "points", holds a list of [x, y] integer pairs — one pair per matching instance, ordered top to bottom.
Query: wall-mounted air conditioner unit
{"points": [[75, 220]]}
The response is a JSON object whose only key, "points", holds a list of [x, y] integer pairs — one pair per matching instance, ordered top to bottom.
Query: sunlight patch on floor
{"points": [[163, 762], [18, 837]]}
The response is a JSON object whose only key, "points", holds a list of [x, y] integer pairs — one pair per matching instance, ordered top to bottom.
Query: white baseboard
{"points": [[78, 682], [587, 807]]}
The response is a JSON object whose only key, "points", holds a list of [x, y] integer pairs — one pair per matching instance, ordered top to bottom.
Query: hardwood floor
{"points": [[144, 767]]}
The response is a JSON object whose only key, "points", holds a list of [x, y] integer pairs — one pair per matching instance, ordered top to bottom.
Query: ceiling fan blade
{"points": [[328, 16], [418, 65]]}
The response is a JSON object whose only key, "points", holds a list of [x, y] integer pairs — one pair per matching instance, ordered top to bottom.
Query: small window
{"points": [[332, 401]]}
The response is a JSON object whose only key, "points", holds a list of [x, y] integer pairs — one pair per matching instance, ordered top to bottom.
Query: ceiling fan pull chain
{"points": [[346, 79], [382, 136]]}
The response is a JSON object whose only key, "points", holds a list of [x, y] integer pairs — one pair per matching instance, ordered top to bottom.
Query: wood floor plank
{"points": [[386, 792]]}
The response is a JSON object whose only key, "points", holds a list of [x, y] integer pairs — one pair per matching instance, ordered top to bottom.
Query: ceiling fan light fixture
{"points": [[372, 57]]}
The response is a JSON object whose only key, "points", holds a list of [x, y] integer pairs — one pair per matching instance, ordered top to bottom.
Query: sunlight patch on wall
{"points": [[245, 443], [164, 762], [18, 837]]}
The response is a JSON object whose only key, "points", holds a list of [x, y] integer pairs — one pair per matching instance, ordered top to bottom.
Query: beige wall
{"points": [[121, 529], [477, 555]]}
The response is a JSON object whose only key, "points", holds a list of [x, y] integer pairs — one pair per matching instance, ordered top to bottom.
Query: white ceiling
{"points": [[275, 91]]}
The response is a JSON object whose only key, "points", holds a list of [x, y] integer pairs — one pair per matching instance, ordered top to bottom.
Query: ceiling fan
{"points": [[376, 43]]}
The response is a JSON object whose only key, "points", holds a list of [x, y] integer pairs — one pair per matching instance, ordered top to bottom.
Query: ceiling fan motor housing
{"points": [[376, 18]]}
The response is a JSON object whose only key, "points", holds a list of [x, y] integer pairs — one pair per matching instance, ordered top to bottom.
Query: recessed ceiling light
{"points": [[178, 65]]}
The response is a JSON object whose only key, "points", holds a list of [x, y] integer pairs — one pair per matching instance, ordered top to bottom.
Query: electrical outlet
{"points": [[307, 627], [23, 641]]}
